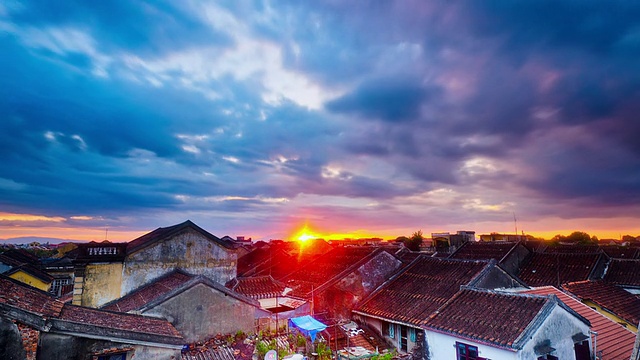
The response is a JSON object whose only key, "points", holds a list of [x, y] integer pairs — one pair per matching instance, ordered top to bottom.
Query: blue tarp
{"points": [[308, 325]]}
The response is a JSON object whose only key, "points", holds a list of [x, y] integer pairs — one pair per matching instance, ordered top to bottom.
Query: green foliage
{"points": [[413, 243], [301, 340], [261, 349], [323, 351], [387, 356]]}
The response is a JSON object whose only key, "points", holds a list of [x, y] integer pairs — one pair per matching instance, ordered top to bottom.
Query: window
{"points": [[58, 284], [392, 328], [412, 334], [467, 352]]}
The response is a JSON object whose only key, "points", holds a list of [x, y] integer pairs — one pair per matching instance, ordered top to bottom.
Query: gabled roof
{"points": [[160, 234], [573, 249], [477, 250], [620, 252], [22, 256], [274, 261], [328, 268], [554, 269], [31, 270], [623, 272], [258, 287], [165, 288], [420, 289], [610, 297], [27, 298], [42, 311], [499, 319], [115, 324], [614, 340]]}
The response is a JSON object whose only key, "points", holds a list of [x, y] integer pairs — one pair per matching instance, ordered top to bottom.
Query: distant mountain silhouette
{"points": [[29, 239]]}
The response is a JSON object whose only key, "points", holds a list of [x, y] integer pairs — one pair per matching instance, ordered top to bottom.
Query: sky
{"points": [[354, 118]]}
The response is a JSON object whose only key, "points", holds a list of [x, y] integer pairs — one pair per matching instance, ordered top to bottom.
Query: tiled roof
{"points": [[160, 234], [573, 249], [475, 250], [620, 252], [21, 255], [407, 256], [274, 261], [326, 268], [554, 269], [31, 270], [623, 272], [167, 287], [259, 287], [420, 289], [149, 292], [19, 295], [610, 297], [488, 316], [120, 321], [614, 340]]}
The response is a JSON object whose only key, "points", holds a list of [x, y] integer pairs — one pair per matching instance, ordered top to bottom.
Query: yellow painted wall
{"points": [[30, 280], [102, 283], [611, 316]]}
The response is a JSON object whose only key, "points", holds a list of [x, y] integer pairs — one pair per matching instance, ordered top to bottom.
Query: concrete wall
{"points": [[189, 251], [513, 261], [25, 278], [496, 279], [101, 284], [201, 312], [559, 327], [10, 341], [57, 346], [443, 347]]}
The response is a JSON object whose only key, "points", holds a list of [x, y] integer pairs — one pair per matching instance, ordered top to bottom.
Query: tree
{"points": [[579, 237], [413, 243]]}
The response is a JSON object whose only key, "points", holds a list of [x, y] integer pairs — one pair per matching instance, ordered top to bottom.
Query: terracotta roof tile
{"points": [[573, 249], [483, 250], [620, 252], [325, 268], [554, 269], [623, 272], [259, 287], [420, 289], [142, 296], [610, 297], [28, 298], [496, 318], [120, 321], [614, 340]]}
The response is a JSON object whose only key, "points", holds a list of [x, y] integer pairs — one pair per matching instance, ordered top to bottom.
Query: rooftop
{"points": [[483, 250], [557, 268], [623, 272], [259, 287], [420, 289], [22, 296], [610, 297], [488, 316], [614, 340]]}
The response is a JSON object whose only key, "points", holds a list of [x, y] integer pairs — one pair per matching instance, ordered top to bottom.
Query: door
{"points": [[403, 338], [582, 350]]}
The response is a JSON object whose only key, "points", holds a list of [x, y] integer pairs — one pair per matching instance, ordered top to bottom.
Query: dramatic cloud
{"points": [[382, 118]]}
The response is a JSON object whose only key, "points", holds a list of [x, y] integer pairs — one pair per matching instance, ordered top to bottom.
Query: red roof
{"points": [[573, 249], [475, 250], [620, 252], [325, 268], [554, 269], [623, 272], [259, 287], [420, 289], [146, 294], [22, 296], [610, 297], [488, 316], [121, 321], [614, 340]]}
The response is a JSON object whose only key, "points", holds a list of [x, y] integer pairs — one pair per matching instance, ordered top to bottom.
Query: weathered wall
{"points": [[189, 251], [513, 261], [496, 279], [30, 280], [101, 284], [201, 312], [558, 327], [30, 338], [10, 341], [57, 346]]}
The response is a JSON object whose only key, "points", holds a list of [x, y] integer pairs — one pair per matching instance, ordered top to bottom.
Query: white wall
{"points": [[442, 347]]}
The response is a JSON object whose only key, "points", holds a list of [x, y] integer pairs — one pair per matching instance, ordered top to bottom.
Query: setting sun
{"points": [[305, 234]]}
